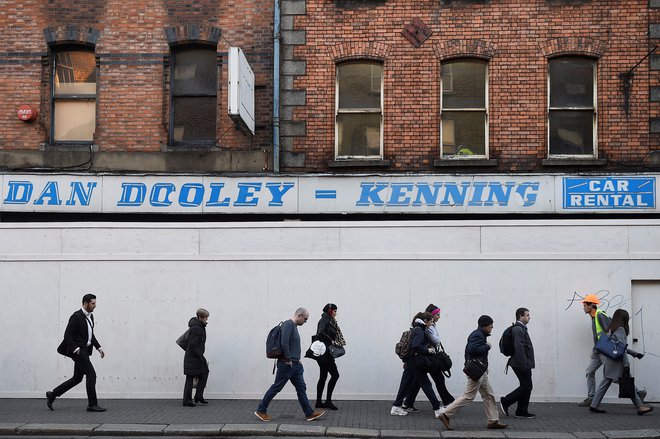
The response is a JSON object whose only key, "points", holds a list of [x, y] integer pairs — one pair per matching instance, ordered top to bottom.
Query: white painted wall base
{"points": [[150, 278]]}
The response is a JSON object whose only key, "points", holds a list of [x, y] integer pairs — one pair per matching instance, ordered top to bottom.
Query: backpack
{"points": [[182, 341], [506, 341], [274, 342], [402, 348]]}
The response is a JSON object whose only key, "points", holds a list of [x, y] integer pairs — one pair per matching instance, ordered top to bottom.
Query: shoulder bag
{"points": [[612, 349], [475, 369]]}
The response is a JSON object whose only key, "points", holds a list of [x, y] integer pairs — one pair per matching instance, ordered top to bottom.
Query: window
{"points": [[74, 96], [194, 96], [572, 110], [359, 117], [464, 128]]}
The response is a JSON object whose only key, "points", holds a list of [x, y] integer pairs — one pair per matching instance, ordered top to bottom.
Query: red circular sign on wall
{"points": [[26, 113]]}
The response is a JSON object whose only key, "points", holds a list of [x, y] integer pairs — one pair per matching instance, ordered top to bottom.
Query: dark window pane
{"points": [[75, 73], [195, 73], [572, 82], [464, 84], [359, 85], [194, 119], [571, 132], [463, 133], [358, 134]]}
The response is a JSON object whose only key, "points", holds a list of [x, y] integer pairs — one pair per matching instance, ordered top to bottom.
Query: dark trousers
{"points": [[327, 365], [82, 368], [286, 373], [422, 379], [439, 379], [407, 381], [201, 385], [522, 393]]}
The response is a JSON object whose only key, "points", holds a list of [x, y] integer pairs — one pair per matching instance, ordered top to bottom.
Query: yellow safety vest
{"points": [[599, 329]]}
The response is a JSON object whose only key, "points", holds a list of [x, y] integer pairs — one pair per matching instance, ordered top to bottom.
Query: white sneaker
{"points": [[398, 411], [439, 412]]}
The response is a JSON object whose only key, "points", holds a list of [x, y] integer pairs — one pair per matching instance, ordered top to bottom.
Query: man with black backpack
{"points": [[522, 362], [289, 368]]}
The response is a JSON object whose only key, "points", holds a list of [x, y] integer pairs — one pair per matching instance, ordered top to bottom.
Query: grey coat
{"points": [[523, 354], [613, 369]]}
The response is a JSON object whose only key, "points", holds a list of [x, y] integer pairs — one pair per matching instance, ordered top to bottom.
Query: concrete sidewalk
{"points": [[364, 419]]}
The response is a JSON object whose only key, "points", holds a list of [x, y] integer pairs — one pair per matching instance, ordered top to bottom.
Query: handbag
{"points": [[182, 341], [612, 349], [337, 351], [442, 362], [474, 369], [626, 385]]}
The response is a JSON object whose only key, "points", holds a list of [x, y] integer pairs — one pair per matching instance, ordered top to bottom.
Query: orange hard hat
{"points": [[591, 298]]}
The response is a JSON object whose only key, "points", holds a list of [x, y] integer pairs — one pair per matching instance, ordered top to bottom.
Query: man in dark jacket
{"points": [[78, 344], [477, 348], [194, 363], [522, 363]]}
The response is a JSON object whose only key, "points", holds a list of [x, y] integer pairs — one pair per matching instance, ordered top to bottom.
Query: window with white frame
{"points": [[73, 96], [194, 96], [572, 106], [359, 110], [464, 128]]}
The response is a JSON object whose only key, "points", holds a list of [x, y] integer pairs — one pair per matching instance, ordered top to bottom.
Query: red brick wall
{"points": [[521, 33], [132, 81]]}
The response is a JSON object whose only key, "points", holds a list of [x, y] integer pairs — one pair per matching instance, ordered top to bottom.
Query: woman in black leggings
{"points": [[328, 331]]}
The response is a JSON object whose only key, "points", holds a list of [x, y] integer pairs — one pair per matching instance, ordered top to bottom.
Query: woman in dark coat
{"points": [[329, 333], [194, 363], [613, 369]]}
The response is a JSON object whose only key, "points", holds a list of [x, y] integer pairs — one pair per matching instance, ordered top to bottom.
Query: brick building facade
{"points": [[516, 43], [120, 118]]}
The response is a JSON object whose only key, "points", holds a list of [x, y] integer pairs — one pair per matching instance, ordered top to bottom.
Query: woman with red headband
{"points": [[328, 331]]}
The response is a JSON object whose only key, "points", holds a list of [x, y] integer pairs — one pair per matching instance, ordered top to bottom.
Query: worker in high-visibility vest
{"points": [[599, 324]]}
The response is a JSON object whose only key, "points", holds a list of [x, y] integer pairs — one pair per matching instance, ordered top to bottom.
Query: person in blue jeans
{"points": [[289, 368]]}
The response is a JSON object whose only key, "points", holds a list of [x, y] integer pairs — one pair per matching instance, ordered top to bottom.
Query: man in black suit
{"points": [[78, 342]]}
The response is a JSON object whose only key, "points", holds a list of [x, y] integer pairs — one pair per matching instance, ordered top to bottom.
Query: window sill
{"points": [[69, 146], [574, 162], [356, 163], [452, 163]]}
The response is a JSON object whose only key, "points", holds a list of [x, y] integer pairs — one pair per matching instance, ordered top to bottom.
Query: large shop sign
{"points": [[327, 194]]}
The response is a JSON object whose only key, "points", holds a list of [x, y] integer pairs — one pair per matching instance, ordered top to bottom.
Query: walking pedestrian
{"points": [[599, 321], [328, 331], [433, 338], [79, 341], [477, 348], [194, 362], [522, 363], [289, 368], [614, 369]]}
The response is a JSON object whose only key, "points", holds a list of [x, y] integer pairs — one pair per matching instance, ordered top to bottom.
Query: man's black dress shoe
{"points": [[50, 399], [201, 401], [188, 404], [95, 408], [596, 410]]}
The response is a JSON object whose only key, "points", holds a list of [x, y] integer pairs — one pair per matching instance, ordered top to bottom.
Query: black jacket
{"points": [[326, 330], [76, 334], [476, 346], [523, 354], [194, 362]]}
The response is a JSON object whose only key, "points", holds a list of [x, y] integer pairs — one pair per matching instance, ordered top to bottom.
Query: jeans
{"points": [[594, 363], [82, 367], [286, 373], [439, 380], [406, 384], [522, 393]]}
